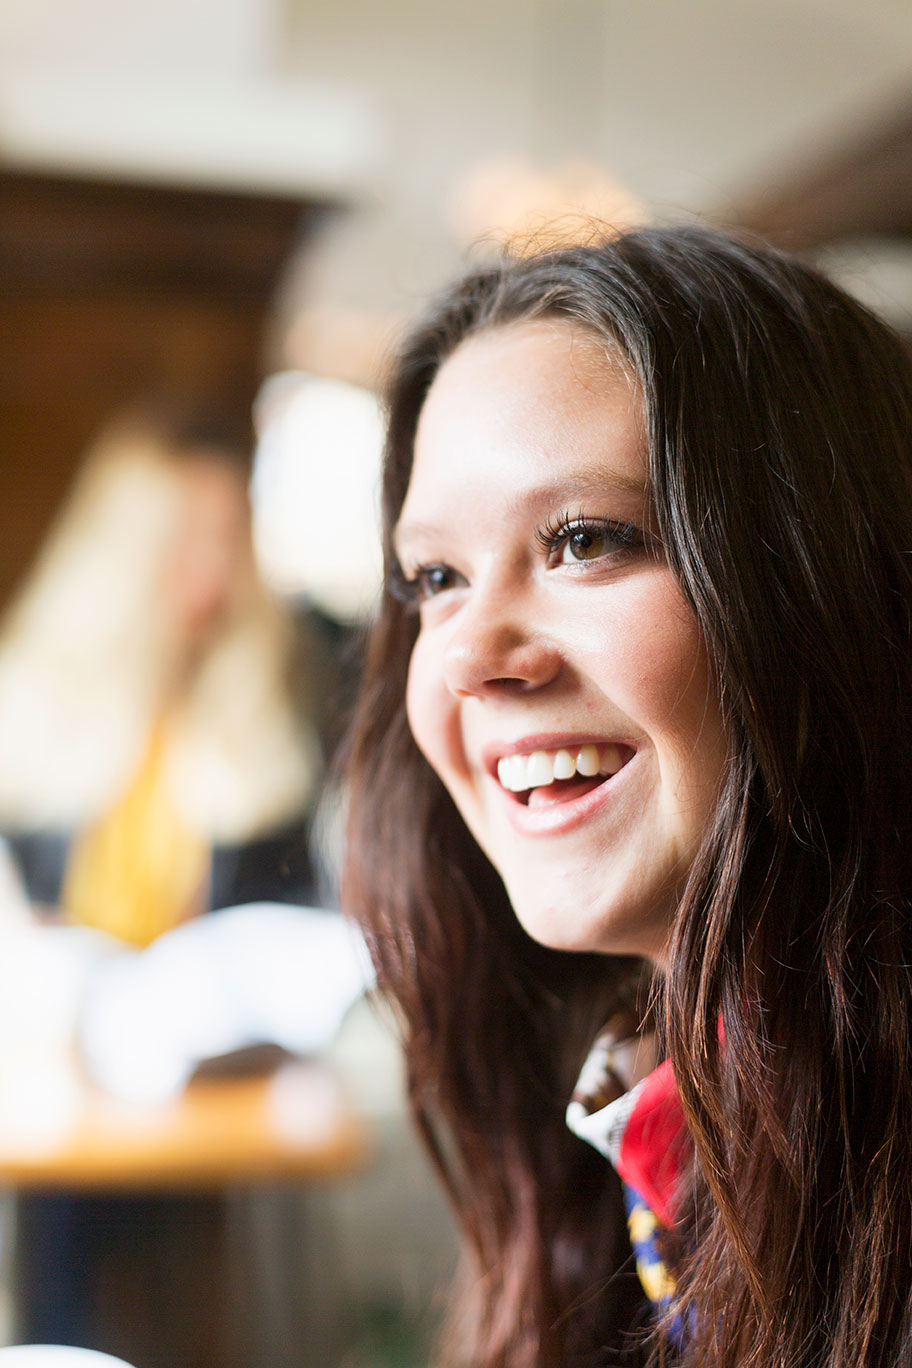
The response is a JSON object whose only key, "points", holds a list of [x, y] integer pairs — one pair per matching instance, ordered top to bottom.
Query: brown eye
{"points": [[582, 540], [584, 545], [435, 579], [426, 583]]}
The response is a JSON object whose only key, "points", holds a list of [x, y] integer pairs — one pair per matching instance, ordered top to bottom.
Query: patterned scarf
{"points": [[643, 1132]]}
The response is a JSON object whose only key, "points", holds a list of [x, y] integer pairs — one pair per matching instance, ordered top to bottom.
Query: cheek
{"points": [[648, 653], [656, 671], [675, 688], [416, 699], [429, 708], [680, 708]]}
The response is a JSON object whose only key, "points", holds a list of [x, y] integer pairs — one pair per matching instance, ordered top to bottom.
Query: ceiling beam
{"points": [[860, 189]]}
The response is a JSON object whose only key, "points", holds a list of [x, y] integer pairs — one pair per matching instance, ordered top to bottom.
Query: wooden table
{"points": [[292, 1124], [131, 1203]]}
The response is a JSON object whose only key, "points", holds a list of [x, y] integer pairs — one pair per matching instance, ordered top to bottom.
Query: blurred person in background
{"points": [[154, 761]]}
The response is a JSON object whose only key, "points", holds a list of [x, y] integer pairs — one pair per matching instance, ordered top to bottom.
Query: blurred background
{"points": [[215, 217]]}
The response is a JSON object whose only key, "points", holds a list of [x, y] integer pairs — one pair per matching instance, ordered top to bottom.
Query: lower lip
{"points": [[557, 818]]}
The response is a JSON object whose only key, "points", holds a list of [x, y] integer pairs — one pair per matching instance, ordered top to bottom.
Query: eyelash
{"points": [[554, 533], [552, 536], [413, 590]]}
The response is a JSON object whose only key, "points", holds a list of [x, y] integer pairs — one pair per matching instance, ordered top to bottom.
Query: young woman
{"points": [[635, 743]]}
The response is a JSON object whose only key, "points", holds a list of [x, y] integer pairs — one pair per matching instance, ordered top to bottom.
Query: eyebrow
{"points": [[586, 484]]}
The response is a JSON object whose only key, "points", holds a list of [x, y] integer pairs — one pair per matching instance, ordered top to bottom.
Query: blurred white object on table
{"points": [[264, 973], [45, 977]]}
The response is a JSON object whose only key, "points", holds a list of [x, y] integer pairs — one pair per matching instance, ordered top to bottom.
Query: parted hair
{"points": [[779, 428]]}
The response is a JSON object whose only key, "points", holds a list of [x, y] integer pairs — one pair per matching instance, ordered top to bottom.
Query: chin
{"points": [[604, 931]]}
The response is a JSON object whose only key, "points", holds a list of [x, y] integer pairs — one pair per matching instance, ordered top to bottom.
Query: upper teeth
{"points": [[520, 772]]}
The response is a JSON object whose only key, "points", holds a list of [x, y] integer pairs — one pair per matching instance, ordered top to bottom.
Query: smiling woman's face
{"points": [[559, 685]]}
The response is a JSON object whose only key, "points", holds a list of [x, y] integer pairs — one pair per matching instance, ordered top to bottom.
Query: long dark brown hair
{"points": [[780, 455]]}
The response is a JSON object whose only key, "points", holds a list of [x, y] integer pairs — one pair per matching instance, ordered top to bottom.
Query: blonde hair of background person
{"points": [[144, 628]]}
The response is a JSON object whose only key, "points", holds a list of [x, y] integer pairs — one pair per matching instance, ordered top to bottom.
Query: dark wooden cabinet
{"points": [[114, 291]]}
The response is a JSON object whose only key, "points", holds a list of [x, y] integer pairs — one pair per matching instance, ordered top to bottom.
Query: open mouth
{"points": [[546, 777]]}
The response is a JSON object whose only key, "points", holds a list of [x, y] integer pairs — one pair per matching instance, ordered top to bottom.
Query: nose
{"points": [[495, 648]]}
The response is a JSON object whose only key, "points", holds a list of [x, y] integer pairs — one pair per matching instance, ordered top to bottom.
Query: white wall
{"points": [[687, 101]]}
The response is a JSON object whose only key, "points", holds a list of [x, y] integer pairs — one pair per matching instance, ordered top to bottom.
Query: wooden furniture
{"points": [[111, 292], [290, 1125], [134, 1221]]}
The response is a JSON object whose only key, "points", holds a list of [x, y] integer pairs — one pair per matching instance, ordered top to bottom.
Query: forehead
{"points": [[529, 406]]}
